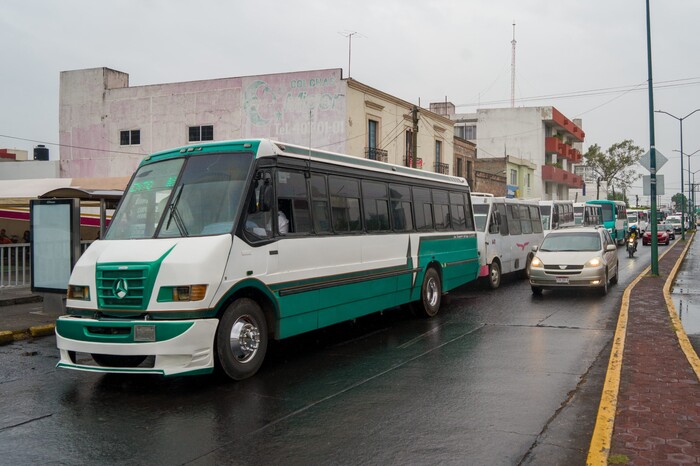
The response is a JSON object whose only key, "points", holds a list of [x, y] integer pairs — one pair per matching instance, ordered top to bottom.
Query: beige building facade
{"points": [[106, 126]]}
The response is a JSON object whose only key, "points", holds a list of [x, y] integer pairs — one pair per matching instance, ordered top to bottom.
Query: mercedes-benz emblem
{"points": [[120, 288]]}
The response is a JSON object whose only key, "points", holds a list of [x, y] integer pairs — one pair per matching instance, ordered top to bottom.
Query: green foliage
{"points": [[616, 165], [679, 201], [618, 459]]}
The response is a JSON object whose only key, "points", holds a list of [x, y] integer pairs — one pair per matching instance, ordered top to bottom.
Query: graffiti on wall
{"points": [[297, 108]]}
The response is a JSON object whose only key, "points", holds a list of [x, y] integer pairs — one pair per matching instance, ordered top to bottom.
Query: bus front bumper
{"points": [[168, 348]]}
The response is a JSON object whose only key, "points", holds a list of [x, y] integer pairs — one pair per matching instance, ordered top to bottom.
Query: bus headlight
{"points": [[536, 263], [79, 292], [182, 293]]}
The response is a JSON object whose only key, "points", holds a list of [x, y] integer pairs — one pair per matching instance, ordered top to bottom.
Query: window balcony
{"points": [[373, 153], [443, 168], [557, 175]]}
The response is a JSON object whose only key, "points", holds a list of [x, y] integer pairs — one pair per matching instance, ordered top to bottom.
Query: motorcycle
{"points": [[631, 246]]}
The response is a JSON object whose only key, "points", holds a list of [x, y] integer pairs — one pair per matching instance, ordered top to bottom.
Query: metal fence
{"points": [[16, 264], [15, 269]]}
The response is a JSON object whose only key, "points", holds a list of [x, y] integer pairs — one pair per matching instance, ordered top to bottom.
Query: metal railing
{"points": [[376, 154], [443, 168], [16, 264]]}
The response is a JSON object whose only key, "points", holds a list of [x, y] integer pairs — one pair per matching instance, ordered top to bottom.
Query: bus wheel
{"points": [[494, 275], [430, 294], [241, 339], [111, 360]]}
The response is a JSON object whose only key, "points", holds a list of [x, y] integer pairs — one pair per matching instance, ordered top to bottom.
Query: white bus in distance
{"points": [[586, 214], [556, 215], [638, 217], [506, 231]]}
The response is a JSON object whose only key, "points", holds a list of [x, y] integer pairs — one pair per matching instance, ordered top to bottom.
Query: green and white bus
{"points": [[614, 218], [194, 275]]}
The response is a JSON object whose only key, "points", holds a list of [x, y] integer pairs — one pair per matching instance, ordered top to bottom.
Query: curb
{"points": [[20, 300], [9, 336], [601, 440]]}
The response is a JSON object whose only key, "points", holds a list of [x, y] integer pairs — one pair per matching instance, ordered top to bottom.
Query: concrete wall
{"points": [[97, 104], [29, 169]]}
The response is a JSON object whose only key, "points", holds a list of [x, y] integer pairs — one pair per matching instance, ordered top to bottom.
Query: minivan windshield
{"points": [[195, 196], [571, 242]]}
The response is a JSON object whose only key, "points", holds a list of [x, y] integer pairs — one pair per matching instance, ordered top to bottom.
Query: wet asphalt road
{"points": [[498, 377]]}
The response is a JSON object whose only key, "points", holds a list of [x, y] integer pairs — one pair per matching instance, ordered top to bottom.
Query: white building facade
{"points": [[106, 126], [542, 137]]}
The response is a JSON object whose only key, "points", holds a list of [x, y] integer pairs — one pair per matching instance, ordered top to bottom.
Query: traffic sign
{"points": [[645, 160]]}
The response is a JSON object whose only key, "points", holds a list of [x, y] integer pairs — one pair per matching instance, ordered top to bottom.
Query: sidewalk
{"points": [[23, 315], [651, 400]]}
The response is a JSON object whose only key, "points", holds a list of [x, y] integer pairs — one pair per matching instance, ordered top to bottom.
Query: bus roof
{"points": [[269, 148]]}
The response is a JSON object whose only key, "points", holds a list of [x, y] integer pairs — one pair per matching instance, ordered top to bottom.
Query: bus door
{"points": [[501, 233]]}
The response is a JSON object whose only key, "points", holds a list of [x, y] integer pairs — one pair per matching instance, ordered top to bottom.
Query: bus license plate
{"points": [[563, 280]]}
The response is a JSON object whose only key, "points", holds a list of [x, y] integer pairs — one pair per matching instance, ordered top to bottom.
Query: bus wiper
{"points": [[175, 214]]}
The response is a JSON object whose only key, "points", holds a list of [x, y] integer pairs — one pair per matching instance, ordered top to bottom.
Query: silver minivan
{"points": [[574, 258]]}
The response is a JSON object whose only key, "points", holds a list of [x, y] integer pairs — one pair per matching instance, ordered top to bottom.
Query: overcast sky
{"points": [[587, 58]]}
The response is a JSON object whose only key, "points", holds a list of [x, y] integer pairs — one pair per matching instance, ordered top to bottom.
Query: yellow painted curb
{"points": [[42, 330], [6, 337], [683, 340], [601, 439]]}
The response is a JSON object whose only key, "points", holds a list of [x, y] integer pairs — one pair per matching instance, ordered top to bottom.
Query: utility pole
{"points": [[512, 71], [414, 138], [652, 154]]}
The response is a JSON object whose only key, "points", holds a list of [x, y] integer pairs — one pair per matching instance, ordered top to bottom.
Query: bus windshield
{"points": [[197, 196], [607, 212], [480, 213]]}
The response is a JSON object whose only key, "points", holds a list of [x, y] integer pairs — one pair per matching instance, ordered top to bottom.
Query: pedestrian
{"points": [[4, 239]]}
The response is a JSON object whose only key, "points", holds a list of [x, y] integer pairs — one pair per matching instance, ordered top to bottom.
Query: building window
{"points": [[465, 132], [201, 133], [372, 134], [130, 137], [409, 148], [438, 151], [458, 171], [514, 177], [527, 180]]}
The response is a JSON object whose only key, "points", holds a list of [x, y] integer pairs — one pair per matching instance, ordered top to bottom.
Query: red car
{"points": [[661, 237]]}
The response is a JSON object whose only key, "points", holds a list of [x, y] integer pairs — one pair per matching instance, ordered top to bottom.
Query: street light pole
{"points": [[680, 119], [652, 152], [690, 213]]}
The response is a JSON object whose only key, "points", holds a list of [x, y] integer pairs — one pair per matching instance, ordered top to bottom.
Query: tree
{"points": [[615, 166], [679, 201]]}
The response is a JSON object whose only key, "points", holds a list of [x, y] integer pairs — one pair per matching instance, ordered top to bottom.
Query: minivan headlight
{"points": [[595, 262], [536, 263]]}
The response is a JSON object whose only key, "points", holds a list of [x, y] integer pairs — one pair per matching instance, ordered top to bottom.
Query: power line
{"points": [[593, 92], [70, 146]]}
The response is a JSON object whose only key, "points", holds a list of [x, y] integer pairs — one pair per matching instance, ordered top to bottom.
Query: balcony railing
{"points": [[374, 153], [443, 168], [557, 175]]}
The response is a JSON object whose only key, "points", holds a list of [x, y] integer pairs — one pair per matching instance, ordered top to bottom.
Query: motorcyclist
{"points": [[634, 235]]}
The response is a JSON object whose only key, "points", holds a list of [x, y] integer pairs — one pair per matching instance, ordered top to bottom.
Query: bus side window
{"points": [[292, 202], [320, 205], [423, 209], [502, 219], [514, 219], [535, 219], [495, 223]]}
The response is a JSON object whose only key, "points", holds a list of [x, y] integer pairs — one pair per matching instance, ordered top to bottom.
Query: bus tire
{"points": [[494, 278], [430, 294], [241, 339], [113, 360]]}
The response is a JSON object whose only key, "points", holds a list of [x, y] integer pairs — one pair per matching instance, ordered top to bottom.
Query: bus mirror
{"points": [[266, 197]]}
